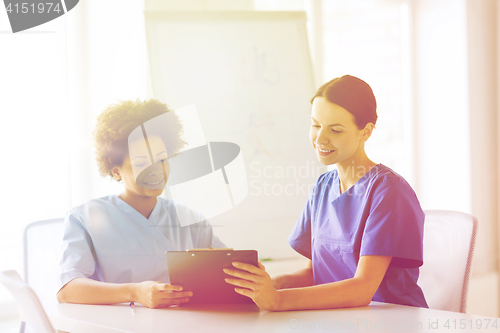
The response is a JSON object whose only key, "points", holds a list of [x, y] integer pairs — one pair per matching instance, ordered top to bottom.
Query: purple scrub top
{"points": [[379, 215]]}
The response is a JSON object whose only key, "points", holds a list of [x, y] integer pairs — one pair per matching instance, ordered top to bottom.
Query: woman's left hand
{"points": [[254, 282]]}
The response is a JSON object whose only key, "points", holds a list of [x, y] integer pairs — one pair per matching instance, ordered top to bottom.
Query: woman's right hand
{"points": [[157, 294]]}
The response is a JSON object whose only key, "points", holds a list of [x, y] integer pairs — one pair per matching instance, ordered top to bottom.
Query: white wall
{"points": [[482, 64], [441, 105], [456, 125], [483, 125]]}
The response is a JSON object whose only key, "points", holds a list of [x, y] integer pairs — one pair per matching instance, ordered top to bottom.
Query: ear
{"points": [[367, 131], [116, 173]]}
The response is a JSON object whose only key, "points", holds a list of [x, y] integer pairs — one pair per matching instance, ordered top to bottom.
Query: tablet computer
{"points": [[201, 272]]}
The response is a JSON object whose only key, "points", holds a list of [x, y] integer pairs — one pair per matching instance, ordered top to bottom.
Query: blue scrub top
{"points": [[379, 215], [107, 240]]}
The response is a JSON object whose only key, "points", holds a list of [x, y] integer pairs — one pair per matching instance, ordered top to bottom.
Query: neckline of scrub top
{"points": [[360, 180], [127, 209]]}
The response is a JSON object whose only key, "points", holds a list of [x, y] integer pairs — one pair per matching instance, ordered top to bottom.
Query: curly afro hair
{"points": [[117, 121]]}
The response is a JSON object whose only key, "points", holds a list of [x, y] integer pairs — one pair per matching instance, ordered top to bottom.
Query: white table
{"points": [[377, 317]]}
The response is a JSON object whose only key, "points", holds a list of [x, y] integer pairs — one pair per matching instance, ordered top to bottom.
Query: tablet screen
{"points": [[201, 272]]}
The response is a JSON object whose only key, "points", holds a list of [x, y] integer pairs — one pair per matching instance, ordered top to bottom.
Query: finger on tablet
{"points": [[247, 267], [241, 274], [240, 283], [170, 287], [178, 295]]}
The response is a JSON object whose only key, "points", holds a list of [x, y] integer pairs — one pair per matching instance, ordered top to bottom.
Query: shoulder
{"points": [[327, 176], [384, 178], [326, 179], [323, 185], [389, 189], [105, 202], [92, 208]]}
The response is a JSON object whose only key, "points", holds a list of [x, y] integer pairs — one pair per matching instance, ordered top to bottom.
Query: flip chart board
{"points": [[249, 75]]}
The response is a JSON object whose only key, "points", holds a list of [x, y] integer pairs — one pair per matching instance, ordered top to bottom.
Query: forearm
{"points": [[298, 279], [254, 282], [88, 291], [342, 294]]}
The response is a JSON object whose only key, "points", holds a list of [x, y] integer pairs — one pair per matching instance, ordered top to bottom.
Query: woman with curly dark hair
{"points": [[114, 246]]}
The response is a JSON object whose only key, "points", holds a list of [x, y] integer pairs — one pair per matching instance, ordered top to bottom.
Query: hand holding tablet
{"points": [[200, 271], [254, 283], [153, 294]]}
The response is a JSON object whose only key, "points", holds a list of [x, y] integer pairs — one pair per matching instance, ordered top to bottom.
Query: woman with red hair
{"points": [[362, 227]]}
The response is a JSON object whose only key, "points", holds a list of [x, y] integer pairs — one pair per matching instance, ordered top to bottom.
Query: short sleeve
{"points": [[394, 226], [300, 237], [78, 256]]}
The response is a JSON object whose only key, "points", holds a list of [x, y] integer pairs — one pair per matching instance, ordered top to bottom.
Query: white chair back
{"points": [[449, 238], [42, 246], [27, 300]]}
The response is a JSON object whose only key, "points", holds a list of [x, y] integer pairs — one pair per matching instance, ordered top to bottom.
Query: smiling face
{"points": [[334, 135], [139, 175]]}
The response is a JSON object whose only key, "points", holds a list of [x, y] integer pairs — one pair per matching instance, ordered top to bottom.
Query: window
{"points": [[369, 39], [34, 137]]}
